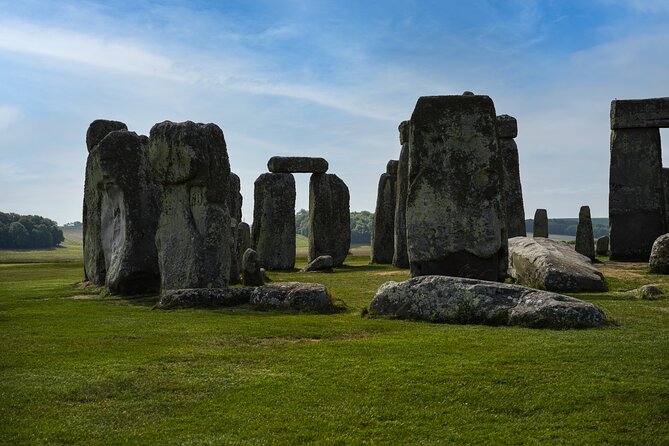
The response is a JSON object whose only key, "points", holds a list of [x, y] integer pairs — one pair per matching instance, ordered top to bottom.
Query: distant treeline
{"points": [[361, 226], [567, 226], [28, 231]]}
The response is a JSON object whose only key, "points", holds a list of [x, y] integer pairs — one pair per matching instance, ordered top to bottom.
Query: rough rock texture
{"points": [[638, 113], [507, 129], [297, 164], [391, 167], [665, 185], [636, 195], [235, 206], [129, 213], [455, 216], [329, 218], [274, 220], [540, 223], [383, 226], [193, 238], [243, 242], [585, 243], [602, 246], [400, 255], [659, 255], [94, 261], [320, 263], [551, 265], [252, 274], [649, 292], [204, 297], [312, 297], [467, 301]]}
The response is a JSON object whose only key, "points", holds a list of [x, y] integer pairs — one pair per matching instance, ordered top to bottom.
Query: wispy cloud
{"points": [[9, 114]]}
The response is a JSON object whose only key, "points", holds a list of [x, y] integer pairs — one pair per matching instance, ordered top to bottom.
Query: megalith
{"points": [[507, 130], [190, 160], [297, 164], [235, 205], [455, 216], [329, 218], [274, 220], [540, 223], [383, 226], [243, 241], [585, 242], [602, 246], [400, 256], [94, 261], [252, 274]]}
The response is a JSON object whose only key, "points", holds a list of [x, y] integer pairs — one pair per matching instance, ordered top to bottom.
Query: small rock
{"points": [[320, 263], [252, 274], [649, 292], [294, 296]]}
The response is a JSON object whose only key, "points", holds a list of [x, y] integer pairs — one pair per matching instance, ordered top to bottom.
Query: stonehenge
{"points": [[507, 130], [297, 164], [329, 218], [540, 223], [383, 229], [585, 242]]}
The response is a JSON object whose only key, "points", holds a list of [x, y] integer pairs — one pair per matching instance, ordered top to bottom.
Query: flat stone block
{"points": [[639, 113], [507, 126], [297, 164]]}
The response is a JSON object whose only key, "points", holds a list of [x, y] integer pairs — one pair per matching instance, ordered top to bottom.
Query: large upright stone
{"points": [[639, 113], [507, 129], [297, 164], [665, 186], [636, 193], [235, 205], [129, 213], [455, 214], [329, 218], [274, 220], [540, 223], [383, 229], [193, 238], [243, 241], [585, 242], [602, 246], [400, 256], [94, 261]]}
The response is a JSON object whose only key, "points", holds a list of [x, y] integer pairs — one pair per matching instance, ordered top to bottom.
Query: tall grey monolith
{"points": [[507, 130], [235, 206], [455, 214], [329, 218], [540, 223], [383, 226], [273, 231], [193, 238], [243, 241], [585, 241], [400, 256], [94, 260]]}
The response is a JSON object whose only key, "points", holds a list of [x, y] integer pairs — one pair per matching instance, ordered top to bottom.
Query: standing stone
{"points": [[507, 129], [297, 164], [665, 184], [636, 193], [235, 205], [129, 213], [455, 216], [329, 218], [274, 220], [540, 223], [383, 231], [193, 238], [243, 241], [585, 243], [602, 246], [400, 256], [94, 260], [252, 274]]}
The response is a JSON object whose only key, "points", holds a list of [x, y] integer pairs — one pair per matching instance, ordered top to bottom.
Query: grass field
{"points": [[76, 368]]}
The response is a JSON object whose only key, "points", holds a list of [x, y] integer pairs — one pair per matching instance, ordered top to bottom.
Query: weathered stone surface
{"points": [[639, 113], [507, 127], [297, 164], [391, 167], [665, 184], [513, 193], [636, 196], [235, 206], [128, 213], [455, 216], [329, 218], [274, 220], [540, 223], [383, 226], [193, 238], [243, 242], [585, 243], [602, 246], [400, 255], [659, 255], [94, 261], [320, 263], [551, 265], [252, 274], [649, 292], [312, 297], [204, 298], [467, 301]]}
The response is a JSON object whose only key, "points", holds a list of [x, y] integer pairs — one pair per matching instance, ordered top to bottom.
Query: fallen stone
{"points": [[639, 113], [297, 164], [329, 218], [540, 223], [585, 243], [602, 246], [659, 255], [320, 263], [551, 265], [252, 274], [649, 292], [312, 297], [204, 298], [454, 300]]}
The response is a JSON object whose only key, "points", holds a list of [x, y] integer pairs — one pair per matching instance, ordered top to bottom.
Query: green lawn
{"points": [[79, 369]]}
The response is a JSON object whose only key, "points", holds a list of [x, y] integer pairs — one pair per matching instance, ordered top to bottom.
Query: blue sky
{"points": [[321, 78]]}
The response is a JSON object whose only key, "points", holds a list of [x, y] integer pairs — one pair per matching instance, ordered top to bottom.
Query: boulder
{"points": [[297, 164], [329, 218], [540, 223], [383, 225], [585, 243], [602, 246], [400, 255], [659, 255], [320, 263], [552, 265], [252, 274], [649, 292], [312, 297], [204, 298], [457, 300]]}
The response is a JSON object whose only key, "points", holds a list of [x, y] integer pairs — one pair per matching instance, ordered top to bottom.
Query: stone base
{"points": [[459, 264]]}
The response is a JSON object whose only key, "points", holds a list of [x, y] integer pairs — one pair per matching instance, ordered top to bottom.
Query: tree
{"points": [[302, 222], [361, 227], [18, 235]]}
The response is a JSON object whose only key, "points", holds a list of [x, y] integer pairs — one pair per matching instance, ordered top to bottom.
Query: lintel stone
{"points": [[639, 113], [297, 164]]}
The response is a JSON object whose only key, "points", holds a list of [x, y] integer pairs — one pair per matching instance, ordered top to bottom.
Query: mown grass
{"points": [[76, 368]]}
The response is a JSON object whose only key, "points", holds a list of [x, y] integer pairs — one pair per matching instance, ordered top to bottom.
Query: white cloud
{"points": [[9, 114]]}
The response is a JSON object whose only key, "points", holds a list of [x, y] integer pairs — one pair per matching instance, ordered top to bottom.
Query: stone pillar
{"points": [[507, 130], [665, 184], [235, 206], [455, 216], [329, 218], [274, 220], [540, 223], [383, 229], [193, 238], [243, 241], [585, 242], [602, 246], [400, 256], [94, 261], [252, 274]]}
